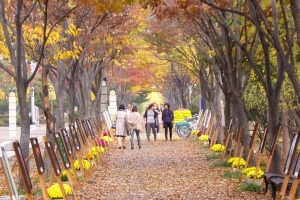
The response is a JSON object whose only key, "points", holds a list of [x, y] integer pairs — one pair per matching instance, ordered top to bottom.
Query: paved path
{"points": [[35, 131], [162, 170]]}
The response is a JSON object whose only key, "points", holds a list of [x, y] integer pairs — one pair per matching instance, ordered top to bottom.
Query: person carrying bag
{"points": [[134, 125]]}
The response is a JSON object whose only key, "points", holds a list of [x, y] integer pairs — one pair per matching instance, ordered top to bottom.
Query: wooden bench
{"points": [[281, 181]]}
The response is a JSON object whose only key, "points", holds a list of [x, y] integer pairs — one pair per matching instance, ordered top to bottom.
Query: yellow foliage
{"points": [[211, 53]]}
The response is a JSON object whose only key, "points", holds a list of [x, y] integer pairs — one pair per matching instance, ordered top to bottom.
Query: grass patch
{"points": [[204, 152], [213, 156], [222, 163], [232, 175], [35, 180], [250, 187], [21, 191], [5, 192], [38, 192]]}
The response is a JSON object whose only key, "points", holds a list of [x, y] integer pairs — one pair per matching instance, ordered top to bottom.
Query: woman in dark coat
{"points": [[167, 118]]}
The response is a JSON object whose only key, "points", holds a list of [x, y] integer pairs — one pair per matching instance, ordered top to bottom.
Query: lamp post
{"points": [[32, 105], [12, 113]]}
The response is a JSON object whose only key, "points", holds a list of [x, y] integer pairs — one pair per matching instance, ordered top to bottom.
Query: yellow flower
{"points": [[180, 114], [194, 132], [107, 138], [204, 138], [218, 148], [235, 161], [86, 164], [250, 172], [64, 176], [55, 193]]}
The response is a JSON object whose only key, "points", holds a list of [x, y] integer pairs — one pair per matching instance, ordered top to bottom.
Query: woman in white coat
{"points": [[121, 129]]}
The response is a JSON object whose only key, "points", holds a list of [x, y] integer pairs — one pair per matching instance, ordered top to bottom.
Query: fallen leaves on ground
{"points": [[162, 170]]}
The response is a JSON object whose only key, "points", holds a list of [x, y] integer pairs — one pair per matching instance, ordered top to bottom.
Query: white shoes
{"points": [[158, 133]]}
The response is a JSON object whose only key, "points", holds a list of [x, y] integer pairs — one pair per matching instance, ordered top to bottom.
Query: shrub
{"points": [[3, 106], [194, 108], [5, 120], [18, 120], [2, 123], [213, 156], [221, 164], [233, 175], [251, 187]]}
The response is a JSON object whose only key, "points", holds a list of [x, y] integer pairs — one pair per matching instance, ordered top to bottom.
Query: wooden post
{"points": [[200, 116], [211, 124], [216, 132], [229, 132], [85, 142], [237, 142], [251, 146], [69, 149], [261, 152], [241, 154], [39, 165], [56, 167], [23, 169], [287, 169], [296, 181], [13, 193]]}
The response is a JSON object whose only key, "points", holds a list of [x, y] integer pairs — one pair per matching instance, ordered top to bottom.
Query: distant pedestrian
{"points": [[128, 111], [167, 118], [133, 119], [150, 119], [157, 123], [121, 127]]}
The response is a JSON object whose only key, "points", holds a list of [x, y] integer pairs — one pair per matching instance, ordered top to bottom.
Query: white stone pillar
{"points": [[104, 96], [112, 104], [12, 113]]}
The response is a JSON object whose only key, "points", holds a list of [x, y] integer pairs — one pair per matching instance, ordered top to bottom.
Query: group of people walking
{"points": [[129, 122]]}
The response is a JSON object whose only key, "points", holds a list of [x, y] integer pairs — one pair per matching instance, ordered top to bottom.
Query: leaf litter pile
{"points": [[162, 170]]}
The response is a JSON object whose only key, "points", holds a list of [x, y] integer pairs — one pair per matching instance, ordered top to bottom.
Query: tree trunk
{"points": [[295, 6], [60, 96], [72, 96], [273, 102], [49, 118], [243, 122], [25, 123], [285, 134]]}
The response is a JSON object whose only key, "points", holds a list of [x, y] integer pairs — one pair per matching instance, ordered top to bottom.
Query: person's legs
{"points": [[148, 126], [157, 128], [153, 130], [170, 130], [166, 131], [132, 137], [138, 137], [119, 142], [123, 142]]}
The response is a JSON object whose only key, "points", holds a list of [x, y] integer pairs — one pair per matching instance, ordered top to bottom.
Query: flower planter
{"points": [[205, 143], [217, 153], [79, 174], [256, 182]]}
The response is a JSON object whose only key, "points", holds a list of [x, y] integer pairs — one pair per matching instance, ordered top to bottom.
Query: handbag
{"points": [[139, 127]]}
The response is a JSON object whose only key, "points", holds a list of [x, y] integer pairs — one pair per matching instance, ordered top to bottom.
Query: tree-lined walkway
{"points": [[162, 170]]}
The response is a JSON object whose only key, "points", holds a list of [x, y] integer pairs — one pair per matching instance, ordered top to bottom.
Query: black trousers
{"points": [[168, 125]]}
